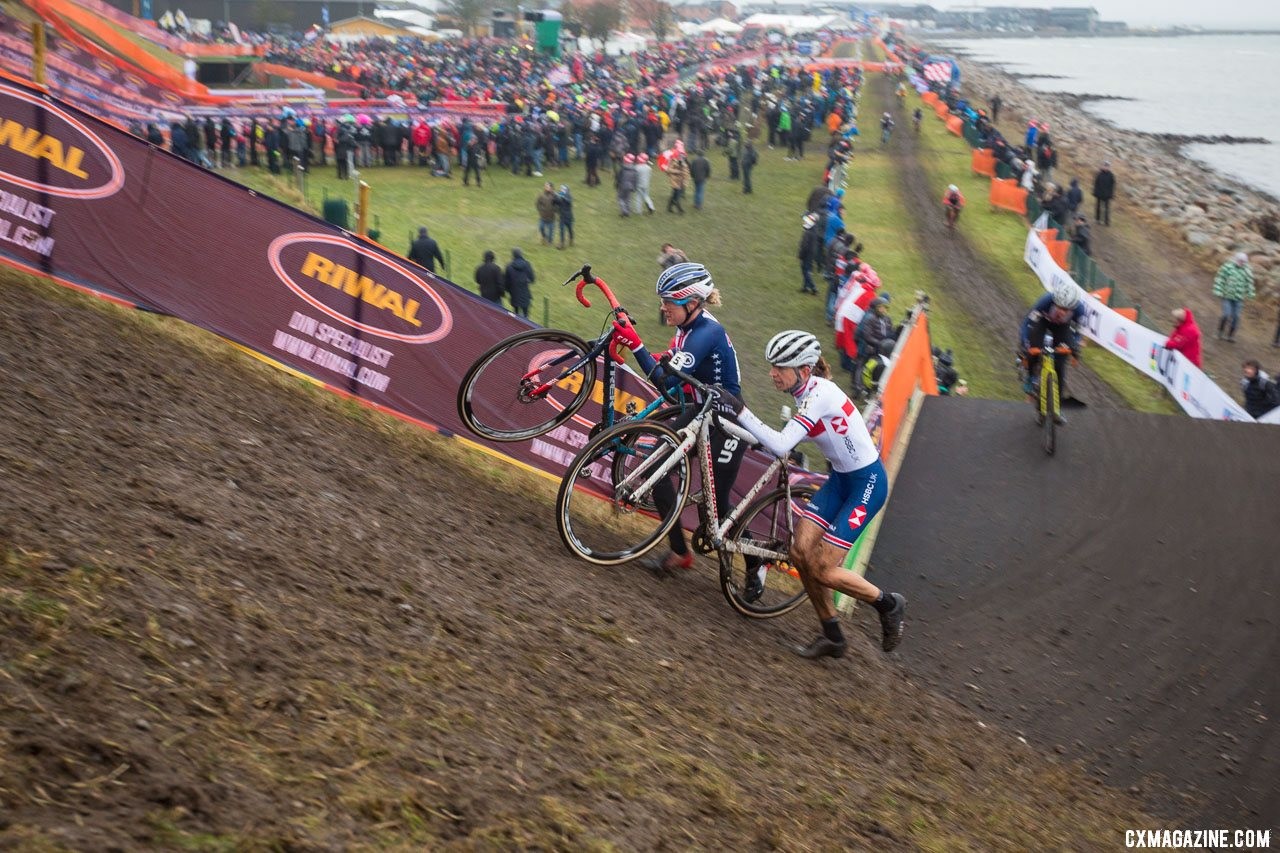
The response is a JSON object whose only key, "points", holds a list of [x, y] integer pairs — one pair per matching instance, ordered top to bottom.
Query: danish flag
{"points": [[858, 516]]}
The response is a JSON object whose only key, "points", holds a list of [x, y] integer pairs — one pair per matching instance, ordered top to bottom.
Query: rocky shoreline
{"points": [[1213, 212]]}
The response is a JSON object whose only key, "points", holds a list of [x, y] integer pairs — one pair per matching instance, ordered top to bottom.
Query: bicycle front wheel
{"points": [[526, 385], [1049, 410], [618, 465], [755, 573]]}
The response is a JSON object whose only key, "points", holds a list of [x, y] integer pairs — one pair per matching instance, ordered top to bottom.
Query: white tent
{"points": [[791, 24], [721, 26], [619, 44]]}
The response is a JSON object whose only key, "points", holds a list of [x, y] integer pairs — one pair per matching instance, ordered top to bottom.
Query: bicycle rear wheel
{"points": [[526, 385], [1049, 410], [614, 466], [767, 527]]}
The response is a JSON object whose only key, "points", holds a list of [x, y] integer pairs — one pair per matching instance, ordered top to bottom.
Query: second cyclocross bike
{"points": [[530, 383], [625, 463]]}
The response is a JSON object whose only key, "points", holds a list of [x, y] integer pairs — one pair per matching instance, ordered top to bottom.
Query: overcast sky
{"points": [[1251, 14]]}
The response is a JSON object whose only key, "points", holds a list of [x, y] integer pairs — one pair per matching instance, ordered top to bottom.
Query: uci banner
{"points": [[1140, 347]]}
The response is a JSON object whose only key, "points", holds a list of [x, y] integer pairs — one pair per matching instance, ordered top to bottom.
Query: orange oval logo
{"points": [[37, 138], [361, 288]]}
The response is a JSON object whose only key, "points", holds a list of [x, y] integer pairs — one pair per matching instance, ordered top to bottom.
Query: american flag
{"points": [[938, 72]]}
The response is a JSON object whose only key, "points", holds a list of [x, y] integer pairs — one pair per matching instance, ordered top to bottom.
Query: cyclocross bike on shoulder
{"points": [[532, 382], [625, 464]]}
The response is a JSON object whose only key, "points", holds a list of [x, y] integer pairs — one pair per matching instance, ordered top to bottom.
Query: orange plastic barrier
{"points": [[930, 97], [941, 109], [955, 124], [984, 162], [1007, 195], [1057, 248], [1102, 294], [1131, 313], [914, 366]]}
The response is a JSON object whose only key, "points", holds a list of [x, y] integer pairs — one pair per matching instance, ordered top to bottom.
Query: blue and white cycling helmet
{"points": [[682, 282], [1066, 295]]}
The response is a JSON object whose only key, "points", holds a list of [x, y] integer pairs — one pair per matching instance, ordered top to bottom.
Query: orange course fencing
{"points": [[930, 98], [955, 124], [984, 162], [1007, 195], [1057, 248], [912, 368]]}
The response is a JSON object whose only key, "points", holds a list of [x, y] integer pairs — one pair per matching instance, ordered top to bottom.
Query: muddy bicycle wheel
{"points": [[526, 385], [604, 512], [762, 583]]}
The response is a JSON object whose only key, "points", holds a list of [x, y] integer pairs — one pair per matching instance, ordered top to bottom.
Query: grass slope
{"points": [[273, 642]]}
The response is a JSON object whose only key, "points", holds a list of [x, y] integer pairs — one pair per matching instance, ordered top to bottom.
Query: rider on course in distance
{"points": [[953, 199], [1056, 315], [701, 348], [854, 492]]}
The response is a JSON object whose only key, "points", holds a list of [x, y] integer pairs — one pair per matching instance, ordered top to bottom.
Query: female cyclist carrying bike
{"points": [[701, 348], [847, 502]]}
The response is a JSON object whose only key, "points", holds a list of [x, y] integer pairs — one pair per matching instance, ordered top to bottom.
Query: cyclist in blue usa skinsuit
{"points": [[701, 348], [844, 507]]}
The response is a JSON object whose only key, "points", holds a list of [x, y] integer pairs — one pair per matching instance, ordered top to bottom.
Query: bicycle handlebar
{"points": [[587, 277], [1061, 349], [708, 397]]}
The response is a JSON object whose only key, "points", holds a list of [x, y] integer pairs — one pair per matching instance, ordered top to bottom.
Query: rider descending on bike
{"points": [[916, 117], [886, 126], [953, 199], [1055, 315], [701, 348], [854, 492]]}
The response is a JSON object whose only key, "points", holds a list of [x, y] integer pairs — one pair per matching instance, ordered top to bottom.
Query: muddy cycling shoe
{"points": [[674, 562], [753, 588], [891, 623], [822, 647]]}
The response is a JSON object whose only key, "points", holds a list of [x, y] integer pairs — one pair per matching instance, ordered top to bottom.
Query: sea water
{"points": [[1210, 85]]}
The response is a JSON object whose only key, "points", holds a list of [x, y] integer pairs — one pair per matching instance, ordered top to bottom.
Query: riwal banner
{"points": [[94, 208], [1140, 347]]}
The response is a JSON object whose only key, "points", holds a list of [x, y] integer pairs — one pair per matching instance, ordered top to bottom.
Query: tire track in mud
{"points": [[966, 275]]}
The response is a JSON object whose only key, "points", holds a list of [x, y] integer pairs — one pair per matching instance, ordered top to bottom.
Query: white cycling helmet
{"points": [[953, 189], [682, 282], [1066, 296], [793, 348]]}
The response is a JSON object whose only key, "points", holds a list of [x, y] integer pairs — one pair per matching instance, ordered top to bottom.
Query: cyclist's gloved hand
{"points": [[627, 336], [726, 403]]}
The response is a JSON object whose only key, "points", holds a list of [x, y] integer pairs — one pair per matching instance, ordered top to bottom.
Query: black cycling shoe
{"points": [[753, 588], [891, 623], [822, 647]]}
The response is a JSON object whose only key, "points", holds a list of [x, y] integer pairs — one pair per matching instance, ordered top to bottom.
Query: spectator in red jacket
{"points": [[1186, 335]]}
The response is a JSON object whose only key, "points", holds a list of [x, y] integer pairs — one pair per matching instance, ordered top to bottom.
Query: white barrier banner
{"points": [[1140, 347], [1271, 417]]}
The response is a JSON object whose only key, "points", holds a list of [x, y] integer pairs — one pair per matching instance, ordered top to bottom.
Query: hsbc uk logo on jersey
{"points": [[840, 425], [858, 516]]}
